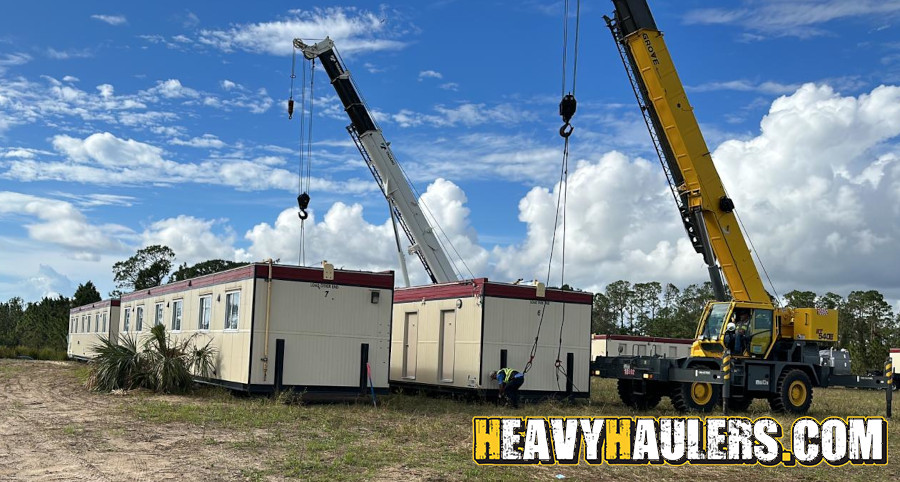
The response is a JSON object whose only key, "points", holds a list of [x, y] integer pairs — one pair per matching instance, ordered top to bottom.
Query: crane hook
{"points": [[290, 108], [567, 108], [303, 202]]}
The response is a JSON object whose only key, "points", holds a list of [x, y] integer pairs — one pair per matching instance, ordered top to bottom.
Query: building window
{"points": [[205, 305], [232, 309], [176, 315], [139, 319], [158, 319], [90, 321], [104, 322], [82, 323], [127, 325]]}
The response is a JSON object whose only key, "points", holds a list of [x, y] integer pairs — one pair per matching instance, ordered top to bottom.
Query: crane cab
{"points": [[754, 321]]}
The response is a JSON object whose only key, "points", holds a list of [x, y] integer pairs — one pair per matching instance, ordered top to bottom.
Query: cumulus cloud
{"points": [[114, 20], [353, 30], [819, 187], [818, 190], [61, 224], [620, 224], [345, 238], [192, 239], [47, 283]]}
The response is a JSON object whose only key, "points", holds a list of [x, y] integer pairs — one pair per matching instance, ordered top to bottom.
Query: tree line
{"points": [[867, 324], [868, 327], [28, 328]]}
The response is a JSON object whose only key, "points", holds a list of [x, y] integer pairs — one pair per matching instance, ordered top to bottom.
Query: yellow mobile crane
{"points": [[785, 358]]}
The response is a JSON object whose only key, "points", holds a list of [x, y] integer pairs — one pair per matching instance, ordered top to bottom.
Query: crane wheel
{"points": [[629, 393], [793, 393], [696, 397], [739, 404]]}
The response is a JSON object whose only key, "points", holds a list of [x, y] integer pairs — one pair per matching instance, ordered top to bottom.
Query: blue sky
{"points": [[126, 124]]}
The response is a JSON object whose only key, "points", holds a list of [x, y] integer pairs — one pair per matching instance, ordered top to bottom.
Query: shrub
{"points": [[160, 364]]}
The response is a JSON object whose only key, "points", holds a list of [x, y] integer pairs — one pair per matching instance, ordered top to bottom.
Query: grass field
{"points": [[407, 437]]}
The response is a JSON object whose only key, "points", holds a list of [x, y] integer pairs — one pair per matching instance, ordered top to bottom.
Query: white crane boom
{"points": [[381, 161]]}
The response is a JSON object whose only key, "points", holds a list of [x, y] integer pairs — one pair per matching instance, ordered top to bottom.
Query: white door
{"points": [[448, 344], [410, 345]]}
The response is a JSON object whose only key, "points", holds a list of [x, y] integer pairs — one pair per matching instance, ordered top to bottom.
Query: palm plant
{"points": [[163, 364], [117, 365]]}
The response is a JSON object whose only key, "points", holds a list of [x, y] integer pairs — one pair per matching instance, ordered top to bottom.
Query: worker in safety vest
{"points": [[510, 381]]}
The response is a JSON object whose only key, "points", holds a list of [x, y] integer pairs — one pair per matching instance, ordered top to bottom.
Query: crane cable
{"points": [[566, 110], [304, 167]]}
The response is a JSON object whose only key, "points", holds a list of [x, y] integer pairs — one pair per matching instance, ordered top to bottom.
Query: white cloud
{"points": [[794, 19], [114, 20], [353, 30], [69, 54], [9, 60], [430, 74], [70, 79], [228, 85], [450, 86], [766, 87], [171, 89], [466, 114], [205, 141], [105, 159], [819, 187], [59, 223], [620, 224], [192, 239], [370, 247], [47, 283]]}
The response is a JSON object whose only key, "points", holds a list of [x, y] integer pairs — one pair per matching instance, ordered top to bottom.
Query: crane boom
{"points": [[377, 153], [707, 211]]}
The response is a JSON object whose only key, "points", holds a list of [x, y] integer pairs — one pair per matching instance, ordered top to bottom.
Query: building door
{"points": [[410, 345], [448, 345]]}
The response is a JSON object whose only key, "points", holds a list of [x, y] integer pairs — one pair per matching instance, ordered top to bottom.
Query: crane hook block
{"points": [[290, 108], [567, 108], [303, 202]]}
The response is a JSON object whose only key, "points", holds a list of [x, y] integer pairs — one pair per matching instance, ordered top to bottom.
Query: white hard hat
{"points": [[730, 326]]}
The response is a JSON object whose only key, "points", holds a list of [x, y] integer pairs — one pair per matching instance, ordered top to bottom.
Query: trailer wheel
{"points": [[794, 392], [696, 397], [642, 401]]}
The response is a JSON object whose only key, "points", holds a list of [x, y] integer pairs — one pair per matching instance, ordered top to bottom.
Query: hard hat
{"points": [[730, 327]]}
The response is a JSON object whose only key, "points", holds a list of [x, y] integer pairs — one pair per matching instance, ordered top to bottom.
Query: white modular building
{"points": [[88, 323], [317, 331], [451, 336], [628, 345]]}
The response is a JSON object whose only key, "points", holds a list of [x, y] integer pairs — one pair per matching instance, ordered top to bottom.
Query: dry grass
{"points": [[410, 437], [427, 438]]}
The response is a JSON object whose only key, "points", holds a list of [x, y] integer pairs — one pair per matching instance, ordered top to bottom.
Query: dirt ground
{"points": [[52, 428]]}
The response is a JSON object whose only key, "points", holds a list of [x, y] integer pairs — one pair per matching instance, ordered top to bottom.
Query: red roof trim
{"points": [[281, 272], [341, 277], [478, 286], [95, 305], [648, 339], [895, 350]]}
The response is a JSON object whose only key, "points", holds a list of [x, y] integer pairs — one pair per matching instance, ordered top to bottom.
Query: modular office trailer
{"points": [[88, 323], [312, 330], [451, 336], [628, 345]]}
